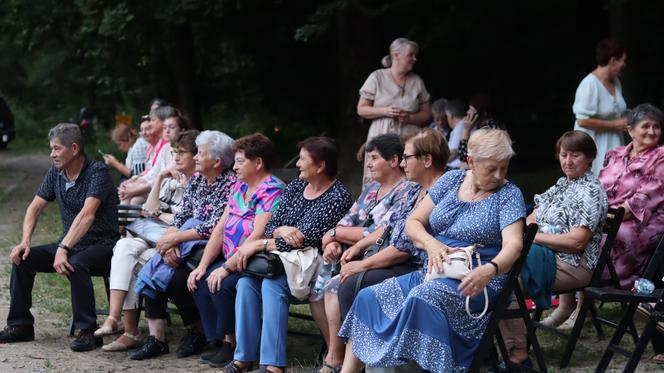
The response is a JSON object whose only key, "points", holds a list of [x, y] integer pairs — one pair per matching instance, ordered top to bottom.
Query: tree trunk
{"points": [[358, 55], [181, 60]]}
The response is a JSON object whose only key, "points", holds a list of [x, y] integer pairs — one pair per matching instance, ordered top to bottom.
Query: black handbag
{"points": [[382, 242], [264, 265]]}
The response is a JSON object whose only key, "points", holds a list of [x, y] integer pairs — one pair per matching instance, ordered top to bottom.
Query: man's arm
{"points": [[82, 222], [22, 250]]}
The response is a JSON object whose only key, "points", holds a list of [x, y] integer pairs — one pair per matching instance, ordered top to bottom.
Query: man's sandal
{"points": [[117, 328], [116, 345]]}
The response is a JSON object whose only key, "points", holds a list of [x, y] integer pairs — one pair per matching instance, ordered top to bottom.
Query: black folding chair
{"points": [[611, 226], [652, 272], [501, 312]]}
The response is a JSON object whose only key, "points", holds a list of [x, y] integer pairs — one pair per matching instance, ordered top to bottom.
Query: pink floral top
{"points": [[639, 182], [241, 214]]}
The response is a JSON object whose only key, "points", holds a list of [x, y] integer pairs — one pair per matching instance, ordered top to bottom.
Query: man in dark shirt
{"points": [[88, 204]]}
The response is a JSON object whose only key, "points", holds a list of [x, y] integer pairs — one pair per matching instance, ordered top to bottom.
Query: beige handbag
{"points": [[461, 263]]}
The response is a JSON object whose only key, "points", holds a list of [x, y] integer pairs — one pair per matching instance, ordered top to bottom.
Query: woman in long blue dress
{"points": [[407, 318]]}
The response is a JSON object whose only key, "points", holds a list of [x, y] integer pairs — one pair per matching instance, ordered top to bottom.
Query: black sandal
{"points": [[232, 367], [330, 368]]}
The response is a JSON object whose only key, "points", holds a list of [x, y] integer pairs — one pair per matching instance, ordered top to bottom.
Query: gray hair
{"points": [[397, 46], [438, 106], [643, 112], [67, 134], [490, 143], [219, 145]]}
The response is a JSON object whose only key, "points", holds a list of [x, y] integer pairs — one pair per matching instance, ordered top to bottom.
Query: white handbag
{"points": [[461, 263]]}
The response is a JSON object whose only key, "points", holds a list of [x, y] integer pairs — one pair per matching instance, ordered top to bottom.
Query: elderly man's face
{"points": [[62, 155]]}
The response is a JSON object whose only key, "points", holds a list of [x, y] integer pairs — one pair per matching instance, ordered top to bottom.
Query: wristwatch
{"points": [[332, 232], [265, 245], [63, 246], [225, 267]]}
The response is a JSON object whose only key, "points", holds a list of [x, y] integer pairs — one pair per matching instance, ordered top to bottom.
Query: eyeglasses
{"points": [[178, 152], [406, 156]]}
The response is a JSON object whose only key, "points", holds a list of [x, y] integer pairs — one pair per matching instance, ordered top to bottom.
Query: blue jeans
{"points": [[272, 297], [217, 310]]}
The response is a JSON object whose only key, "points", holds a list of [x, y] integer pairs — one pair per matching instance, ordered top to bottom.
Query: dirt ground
{"points": [[20, 174]]}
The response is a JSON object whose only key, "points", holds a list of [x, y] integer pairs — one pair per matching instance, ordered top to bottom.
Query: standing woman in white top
{"points": [[394, 97], [599, 104]]}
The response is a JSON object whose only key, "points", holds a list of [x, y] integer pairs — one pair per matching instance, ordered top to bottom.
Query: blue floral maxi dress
{"points": [[405, 318]]}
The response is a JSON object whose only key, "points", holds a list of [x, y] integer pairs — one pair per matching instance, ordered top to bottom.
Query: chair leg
{"points": [[586, 305], [596, 323], [530, 329], [616, 338], [633, 361]]}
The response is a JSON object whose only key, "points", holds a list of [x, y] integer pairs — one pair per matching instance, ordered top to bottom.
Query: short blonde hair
{"points": [[432, 142], [490, 143]]}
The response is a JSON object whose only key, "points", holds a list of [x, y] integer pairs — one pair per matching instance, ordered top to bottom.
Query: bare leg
{"points": [[115, 303], [318, 312], [157, 328], [230, 338], [335, 345], [351, 363]]}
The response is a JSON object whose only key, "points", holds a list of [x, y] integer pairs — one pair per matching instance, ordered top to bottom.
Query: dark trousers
{"points": [[94, 260], [347, 290], [178, 293], [217, 309]]}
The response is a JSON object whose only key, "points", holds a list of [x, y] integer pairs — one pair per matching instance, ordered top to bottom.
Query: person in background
{"points": [[394, 97], [599, 104], [455, 111], [479, 115], [439, 118], [127, 141], [633, 177], [135, 191]]}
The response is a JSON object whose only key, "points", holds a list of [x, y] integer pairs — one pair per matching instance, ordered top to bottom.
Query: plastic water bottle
{"points": [[325, 272], [644, 286]]}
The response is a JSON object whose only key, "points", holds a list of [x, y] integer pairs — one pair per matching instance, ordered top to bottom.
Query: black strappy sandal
{"points": [[232, 367]]}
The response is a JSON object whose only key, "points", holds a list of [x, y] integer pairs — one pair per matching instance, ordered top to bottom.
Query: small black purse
{"points": [[382, 242], [264, 265]]}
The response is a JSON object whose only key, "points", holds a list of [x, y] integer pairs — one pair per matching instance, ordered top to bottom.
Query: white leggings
{"points": [[129, 256]]}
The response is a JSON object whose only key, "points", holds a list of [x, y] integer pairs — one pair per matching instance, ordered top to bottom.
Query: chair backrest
{"points": [[128, 213], [611, 226], [655, 267], [504, 298]]}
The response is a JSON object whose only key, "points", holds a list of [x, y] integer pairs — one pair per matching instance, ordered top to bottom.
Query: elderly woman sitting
{"points": [[423, 161], [633, 177], [252, 201], [202, 205], [311, 206], [570, 215], [363, 224], [130, 253], [410, 318]]}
